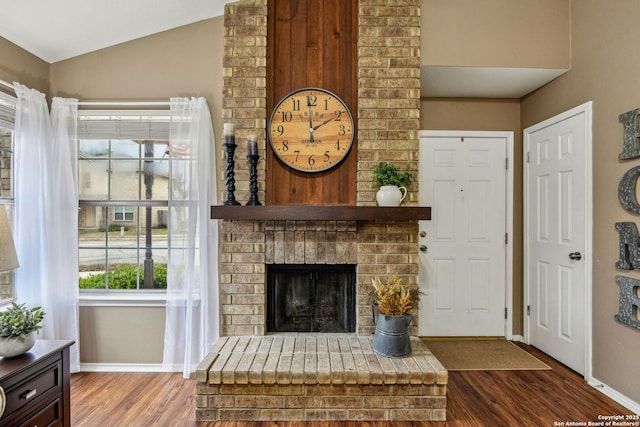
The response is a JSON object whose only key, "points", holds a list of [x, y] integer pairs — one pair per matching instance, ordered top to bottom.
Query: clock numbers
{"points": [[311, 100], [296, 104], [287, 116], [280, 130], [285, 145], [337, 145]]}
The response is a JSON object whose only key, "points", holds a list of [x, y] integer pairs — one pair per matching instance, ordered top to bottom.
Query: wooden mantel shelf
{"points": [[321, 213]]}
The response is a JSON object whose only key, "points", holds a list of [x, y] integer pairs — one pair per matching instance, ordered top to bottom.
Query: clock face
{"points": [[311, 130]]}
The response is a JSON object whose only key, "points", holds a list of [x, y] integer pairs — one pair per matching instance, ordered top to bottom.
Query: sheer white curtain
{"points": [[32, 134], [61, 202], [46, 212], [192, 321]]}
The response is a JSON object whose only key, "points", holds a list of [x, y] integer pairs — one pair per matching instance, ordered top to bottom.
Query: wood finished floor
{"points": [[475, 399]]}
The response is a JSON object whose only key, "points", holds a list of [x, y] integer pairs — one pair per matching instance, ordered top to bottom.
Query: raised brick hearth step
{"points": [[317, 377]]}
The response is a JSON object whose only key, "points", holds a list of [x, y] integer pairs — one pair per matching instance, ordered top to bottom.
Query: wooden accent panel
{"points": [[312, 43]]}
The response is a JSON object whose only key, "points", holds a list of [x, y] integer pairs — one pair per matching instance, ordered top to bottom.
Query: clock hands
{"points": [[322, 124], [311, 128]]}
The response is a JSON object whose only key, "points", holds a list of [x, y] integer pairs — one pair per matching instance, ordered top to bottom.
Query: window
{"points": [[7, 116], [123, 175], [123, 213]]}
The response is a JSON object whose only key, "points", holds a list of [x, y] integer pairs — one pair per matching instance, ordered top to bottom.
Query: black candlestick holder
{"points": [[230, 148], [253, 180]]}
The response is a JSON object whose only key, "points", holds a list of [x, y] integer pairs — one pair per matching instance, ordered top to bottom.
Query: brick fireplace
{"points": [[388, 125], [377, 249], [252, 375]]}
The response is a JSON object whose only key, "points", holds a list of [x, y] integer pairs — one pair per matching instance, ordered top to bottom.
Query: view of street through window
{"points": [[122, 216]]}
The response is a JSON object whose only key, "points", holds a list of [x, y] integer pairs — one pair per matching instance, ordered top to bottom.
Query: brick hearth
{"points": [[307, 377]]}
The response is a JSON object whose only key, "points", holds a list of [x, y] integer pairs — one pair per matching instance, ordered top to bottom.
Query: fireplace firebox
{"points": [[311, 298]]}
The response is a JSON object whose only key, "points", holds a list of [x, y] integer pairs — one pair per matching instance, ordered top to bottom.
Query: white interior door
{"points": [[557, 235], [463, 262]]}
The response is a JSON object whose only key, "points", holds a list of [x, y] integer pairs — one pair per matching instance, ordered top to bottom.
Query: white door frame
{"points": [[585, 109], [508, 135]]}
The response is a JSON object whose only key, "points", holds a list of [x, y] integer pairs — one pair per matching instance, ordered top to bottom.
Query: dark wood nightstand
{"points": [[37, 386]]}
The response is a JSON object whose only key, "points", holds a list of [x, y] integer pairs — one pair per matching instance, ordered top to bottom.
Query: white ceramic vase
{"points": [[390, 195], [15, 346]]}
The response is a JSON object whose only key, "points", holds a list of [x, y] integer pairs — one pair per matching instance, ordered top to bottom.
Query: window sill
{"points": [[114, 299], [5, 303]]}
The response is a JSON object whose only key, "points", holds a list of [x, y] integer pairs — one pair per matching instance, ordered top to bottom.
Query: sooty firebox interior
{"points": [[311, 298]]}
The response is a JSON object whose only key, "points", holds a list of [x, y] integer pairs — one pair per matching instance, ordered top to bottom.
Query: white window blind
{"points": [[7, 111], [124, 124]]}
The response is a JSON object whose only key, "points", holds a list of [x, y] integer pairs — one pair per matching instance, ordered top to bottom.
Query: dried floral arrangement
{"points": [[395, 297]]}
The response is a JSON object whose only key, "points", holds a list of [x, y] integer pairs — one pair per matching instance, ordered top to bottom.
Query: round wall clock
{"points": [[311, 130]]}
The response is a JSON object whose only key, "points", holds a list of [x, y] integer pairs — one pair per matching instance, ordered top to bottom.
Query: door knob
{"points": [[423, 234], [423, 248], [576, 256]]}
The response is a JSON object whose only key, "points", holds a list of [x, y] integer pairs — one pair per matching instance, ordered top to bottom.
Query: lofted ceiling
{"points": [[61, 29], [55, 30]]}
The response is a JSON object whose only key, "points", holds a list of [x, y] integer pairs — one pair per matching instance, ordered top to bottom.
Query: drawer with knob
{"points": [[44, 382]]}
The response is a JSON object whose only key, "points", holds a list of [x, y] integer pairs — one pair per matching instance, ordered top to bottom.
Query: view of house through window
{"points": [[122, 217]]}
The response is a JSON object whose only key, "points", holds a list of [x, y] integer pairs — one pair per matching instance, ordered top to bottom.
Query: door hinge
{"points": [[527, 157], [506, 163], [506, 238], [528, 310], [505, 313]]}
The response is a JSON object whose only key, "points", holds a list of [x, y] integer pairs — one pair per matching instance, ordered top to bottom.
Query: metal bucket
{"points": [[392, 336]]}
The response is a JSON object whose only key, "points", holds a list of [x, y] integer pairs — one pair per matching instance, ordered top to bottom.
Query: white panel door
{"points": [[556, 236], [462, 257]]}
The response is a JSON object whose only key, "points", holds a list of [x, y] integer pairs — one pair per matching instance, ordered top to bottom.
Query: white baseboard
{"points": [[122, 367], [615, 395]]}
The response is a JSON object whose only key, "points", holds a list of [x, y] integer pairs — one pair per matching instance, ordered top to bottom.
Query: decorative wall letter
{"points": [[631, 142], [627, 190], [629, 246], [629, 301], [629, 307]]}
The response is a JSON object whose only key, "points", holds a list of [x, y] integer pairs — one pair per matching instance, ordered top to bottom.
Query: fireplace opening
{"points": [[311, 298]]}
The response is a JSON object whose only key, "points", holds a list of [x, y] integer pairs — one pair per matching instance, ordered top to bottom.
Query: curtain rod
{"points": [[9, 85], [107, 104], [112, 104]]}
